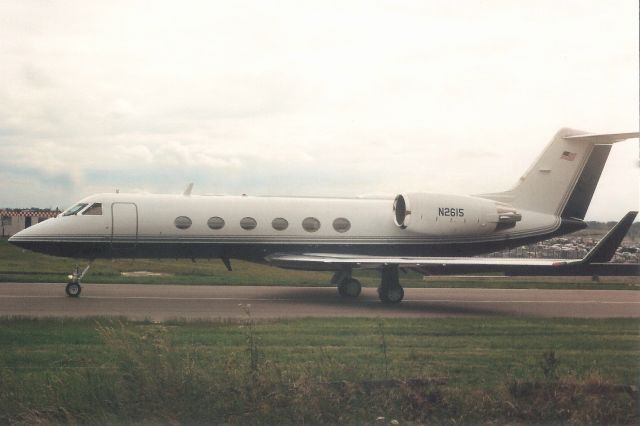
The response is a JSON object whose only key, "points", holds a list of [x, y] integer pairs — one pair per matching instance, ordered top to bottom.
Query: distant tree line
{"points": [[32, 209], [597, 229]]}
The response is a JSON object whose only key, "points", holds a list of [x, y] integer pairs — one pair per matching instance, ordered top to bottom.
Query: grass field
{"points": [[18, 265], [312, 371], [320, 371]]}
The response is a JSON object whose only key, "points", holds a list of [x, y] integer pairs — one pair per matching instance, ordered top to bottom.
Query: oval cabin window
{"points": [[182, 222], [215, 222], [248, 223], [280, 224], [311, 224], [341, 224]]}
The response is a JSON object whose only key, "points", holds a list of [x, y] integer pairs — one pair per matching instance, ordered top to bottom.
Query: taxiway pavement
{"points": [[162, 302]]}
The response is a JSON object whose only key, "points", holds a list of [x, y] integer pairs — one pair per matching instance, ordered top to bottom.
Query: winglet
{"points": [[187, 192], [606, 247]]}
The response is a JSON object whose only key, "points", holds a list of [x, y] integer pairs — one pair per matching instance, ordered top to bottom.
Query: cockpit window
{"points": [[75, 209], [94, 210]]}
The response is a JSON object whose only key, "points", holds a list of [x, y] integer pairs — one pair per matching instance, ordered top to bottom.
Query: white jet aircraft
{"points": [[425, 231]]}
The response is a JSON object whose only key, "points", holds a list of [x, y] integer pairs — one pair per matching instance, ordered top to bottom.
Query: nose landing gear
{"points": [[73, 287]]}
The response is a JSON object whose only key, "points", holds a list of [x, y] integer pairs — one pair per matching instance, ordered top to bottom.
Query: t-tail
{"points": [[561, 182]]}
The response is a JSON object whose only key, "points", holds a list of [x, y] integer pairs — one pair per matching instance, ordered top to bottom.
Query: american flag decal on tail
{"points": [[569, 156]]}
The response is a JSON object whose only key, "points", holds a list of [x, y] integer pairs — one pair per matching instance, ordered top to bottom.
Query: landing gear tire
{"points": [[350, 288], [73, 289], [390, 290], [391, 295]]}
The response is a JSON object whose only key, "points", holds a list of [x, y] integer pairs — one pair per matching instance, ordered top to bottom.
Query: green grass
{"points": [[17, 265], [318, 370]]}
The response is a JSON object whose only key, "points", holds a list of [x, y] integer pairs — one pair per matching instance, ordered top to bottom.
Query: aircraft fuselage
{"points": [[247, 227]]}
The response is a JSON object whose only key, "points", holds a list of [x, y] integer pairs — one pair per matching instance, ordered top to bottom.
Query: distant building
{"points": [[15, 220]]}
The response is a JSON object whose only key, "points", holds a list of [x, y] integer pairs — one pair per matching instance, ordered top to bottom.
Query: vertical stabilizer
{"points": [[563, 179]]}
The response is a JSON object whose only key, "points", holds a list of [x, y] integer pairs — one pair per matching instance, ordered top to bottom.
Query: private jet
{"points": [[428, 232]]}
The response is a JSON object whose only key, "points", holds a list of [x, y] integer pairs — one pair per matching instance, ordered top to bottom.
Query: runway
{"points": [[163, 302]]}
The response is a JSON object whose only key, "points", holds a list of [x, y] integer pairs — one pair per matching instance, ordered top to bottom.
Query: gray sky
{"points": [[327, 98]]}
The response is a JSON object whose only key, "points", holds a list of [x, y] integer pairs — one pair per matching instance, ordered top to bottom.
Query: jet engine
{"points": [[444, 214]]}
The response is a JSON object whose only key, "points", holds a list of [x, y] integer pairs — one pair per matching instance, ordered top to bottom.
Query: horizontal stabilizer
{"points": [[605, 138], [606, 247]]}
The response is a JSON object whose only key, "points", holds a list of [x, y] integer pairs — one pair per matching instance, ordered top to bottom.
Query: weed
{"points": [[252, 345], [383, 348], [549, 365]]}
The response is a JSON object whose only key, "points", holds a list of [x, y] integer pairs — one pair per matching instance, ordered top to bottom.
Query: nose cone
{"points": [[39, 237], [61, 237], [24, 239], [13, 240]]}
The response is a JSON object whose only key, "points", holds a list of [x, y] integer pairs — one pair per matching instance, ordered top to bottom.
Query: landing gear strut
{"points": [[347, 286], [73, 288], [390, 290]]}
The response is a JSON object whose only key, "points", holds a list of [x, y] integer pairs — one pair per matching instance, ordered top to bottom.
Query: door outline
{"points": [[135, 243]]}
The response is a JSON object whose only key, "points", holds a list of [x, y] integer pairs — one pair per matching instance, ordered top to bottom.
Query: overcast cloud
{"points": [[328, 98]]}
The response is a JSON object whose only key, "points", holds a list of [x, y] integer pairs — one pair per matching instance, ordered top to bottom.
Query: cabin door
{"points": [[124, 229]]}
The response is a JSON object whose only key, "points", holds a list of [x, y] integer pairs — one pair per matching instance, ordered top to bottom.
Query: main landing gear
{"points": [[347, 285], [73, 288], [390, 290]]}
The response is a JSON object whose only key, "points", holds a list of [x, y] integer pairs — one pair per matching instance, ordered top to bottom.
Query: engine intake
{"points": [[401, 211]]}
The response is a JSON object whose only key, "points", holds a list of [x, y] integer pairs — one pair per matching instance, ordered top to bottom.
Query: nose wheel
{"points": [[73, 287]]}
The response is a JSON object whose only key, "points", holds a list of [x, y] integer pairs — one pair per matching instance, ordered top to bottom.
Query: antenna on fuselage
{"points": [[187, 192]]}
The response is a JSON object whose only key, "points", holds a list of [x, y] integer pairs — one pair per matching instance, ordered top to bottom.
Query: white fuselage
{"points": [[145, 225]]}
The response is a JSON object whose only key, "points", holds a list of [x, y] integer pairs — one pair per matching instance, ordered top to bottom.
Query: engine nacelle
{"points": [[444, 214]]}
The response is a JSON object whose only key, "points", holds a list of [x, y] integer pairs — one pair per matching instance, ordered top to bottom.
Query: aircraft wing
{"points": [[311, 260], [594, 263]]}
